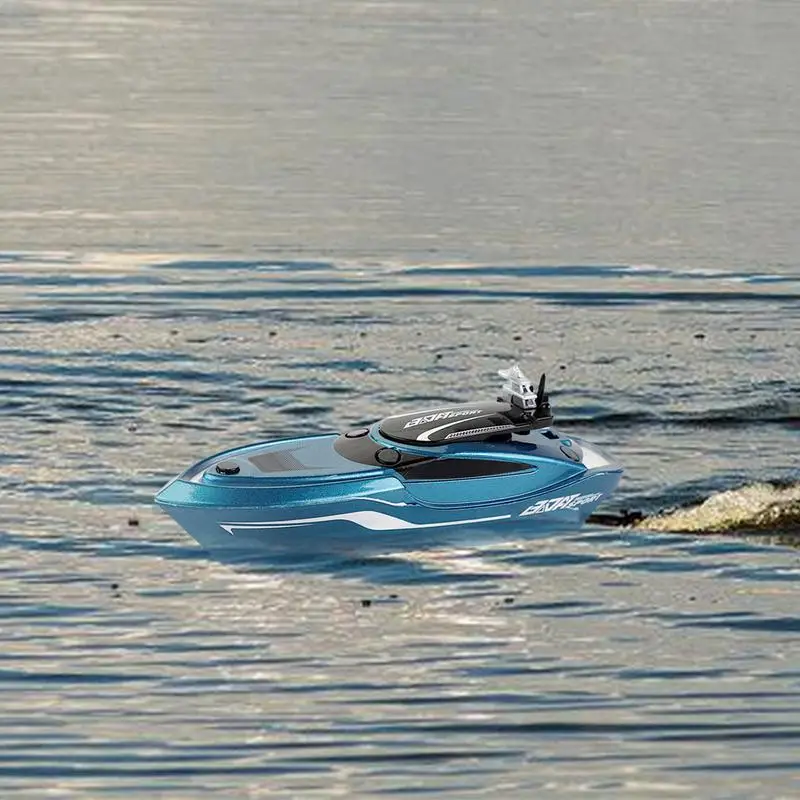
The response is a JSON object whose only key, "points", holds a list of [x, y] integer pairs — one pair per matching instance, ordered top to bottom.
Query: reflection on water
{"points": [[412, 131], [641, 662]]}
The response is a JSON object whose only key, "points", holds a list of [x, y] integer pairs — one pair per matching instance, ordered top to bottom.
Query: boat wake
{"points": [[758, 508]]}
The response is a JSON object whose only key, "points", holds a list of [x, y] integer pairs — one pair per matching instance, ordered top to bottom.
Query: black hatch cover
{"points": [[454, 424]]}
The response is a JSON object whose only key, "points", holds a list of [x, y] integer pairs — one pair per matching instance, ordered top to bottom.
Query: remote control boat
{"points": [[423, 478]]}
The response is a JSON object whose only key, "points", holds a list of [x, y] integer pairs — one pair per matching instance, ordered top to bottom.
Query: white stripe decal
{"points": [[426, 437], [371, 520]]}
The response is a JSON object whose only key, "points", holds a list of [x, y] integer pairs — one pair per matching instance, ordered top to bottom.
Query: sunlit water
{"points": [[224, 222]]}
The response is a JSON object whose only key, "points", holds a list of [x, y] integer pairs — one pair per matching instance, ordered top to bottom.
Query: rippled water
{"points": [[222, 222], [608, 661]]}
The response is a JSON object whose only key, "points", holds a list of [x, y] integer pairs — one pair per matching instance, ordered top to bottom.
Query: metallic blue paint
{"points": [[311, 498]]}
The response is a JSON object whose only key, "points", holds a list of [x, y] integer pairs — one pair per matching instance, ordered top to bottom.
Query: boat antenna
{"points": [[542, 409]]}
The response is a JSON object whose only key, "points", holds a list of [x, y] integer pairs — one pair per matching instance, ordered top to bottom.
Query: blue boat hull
{"points": [[425, 478], [375, 515]]}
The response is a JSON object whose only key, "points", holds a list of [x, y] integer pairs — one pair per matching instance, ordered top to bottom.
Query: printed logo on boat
{"points": [[464, 412], [568, 502]]}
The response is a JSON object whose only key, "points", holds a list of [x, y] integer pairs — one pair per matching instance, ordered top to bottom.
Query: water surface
{"points": [[224, 222]]}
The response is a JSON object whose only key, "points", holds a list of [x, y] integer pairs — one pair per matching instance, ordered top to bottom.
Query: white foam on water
{"points": [[759, 505]]}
